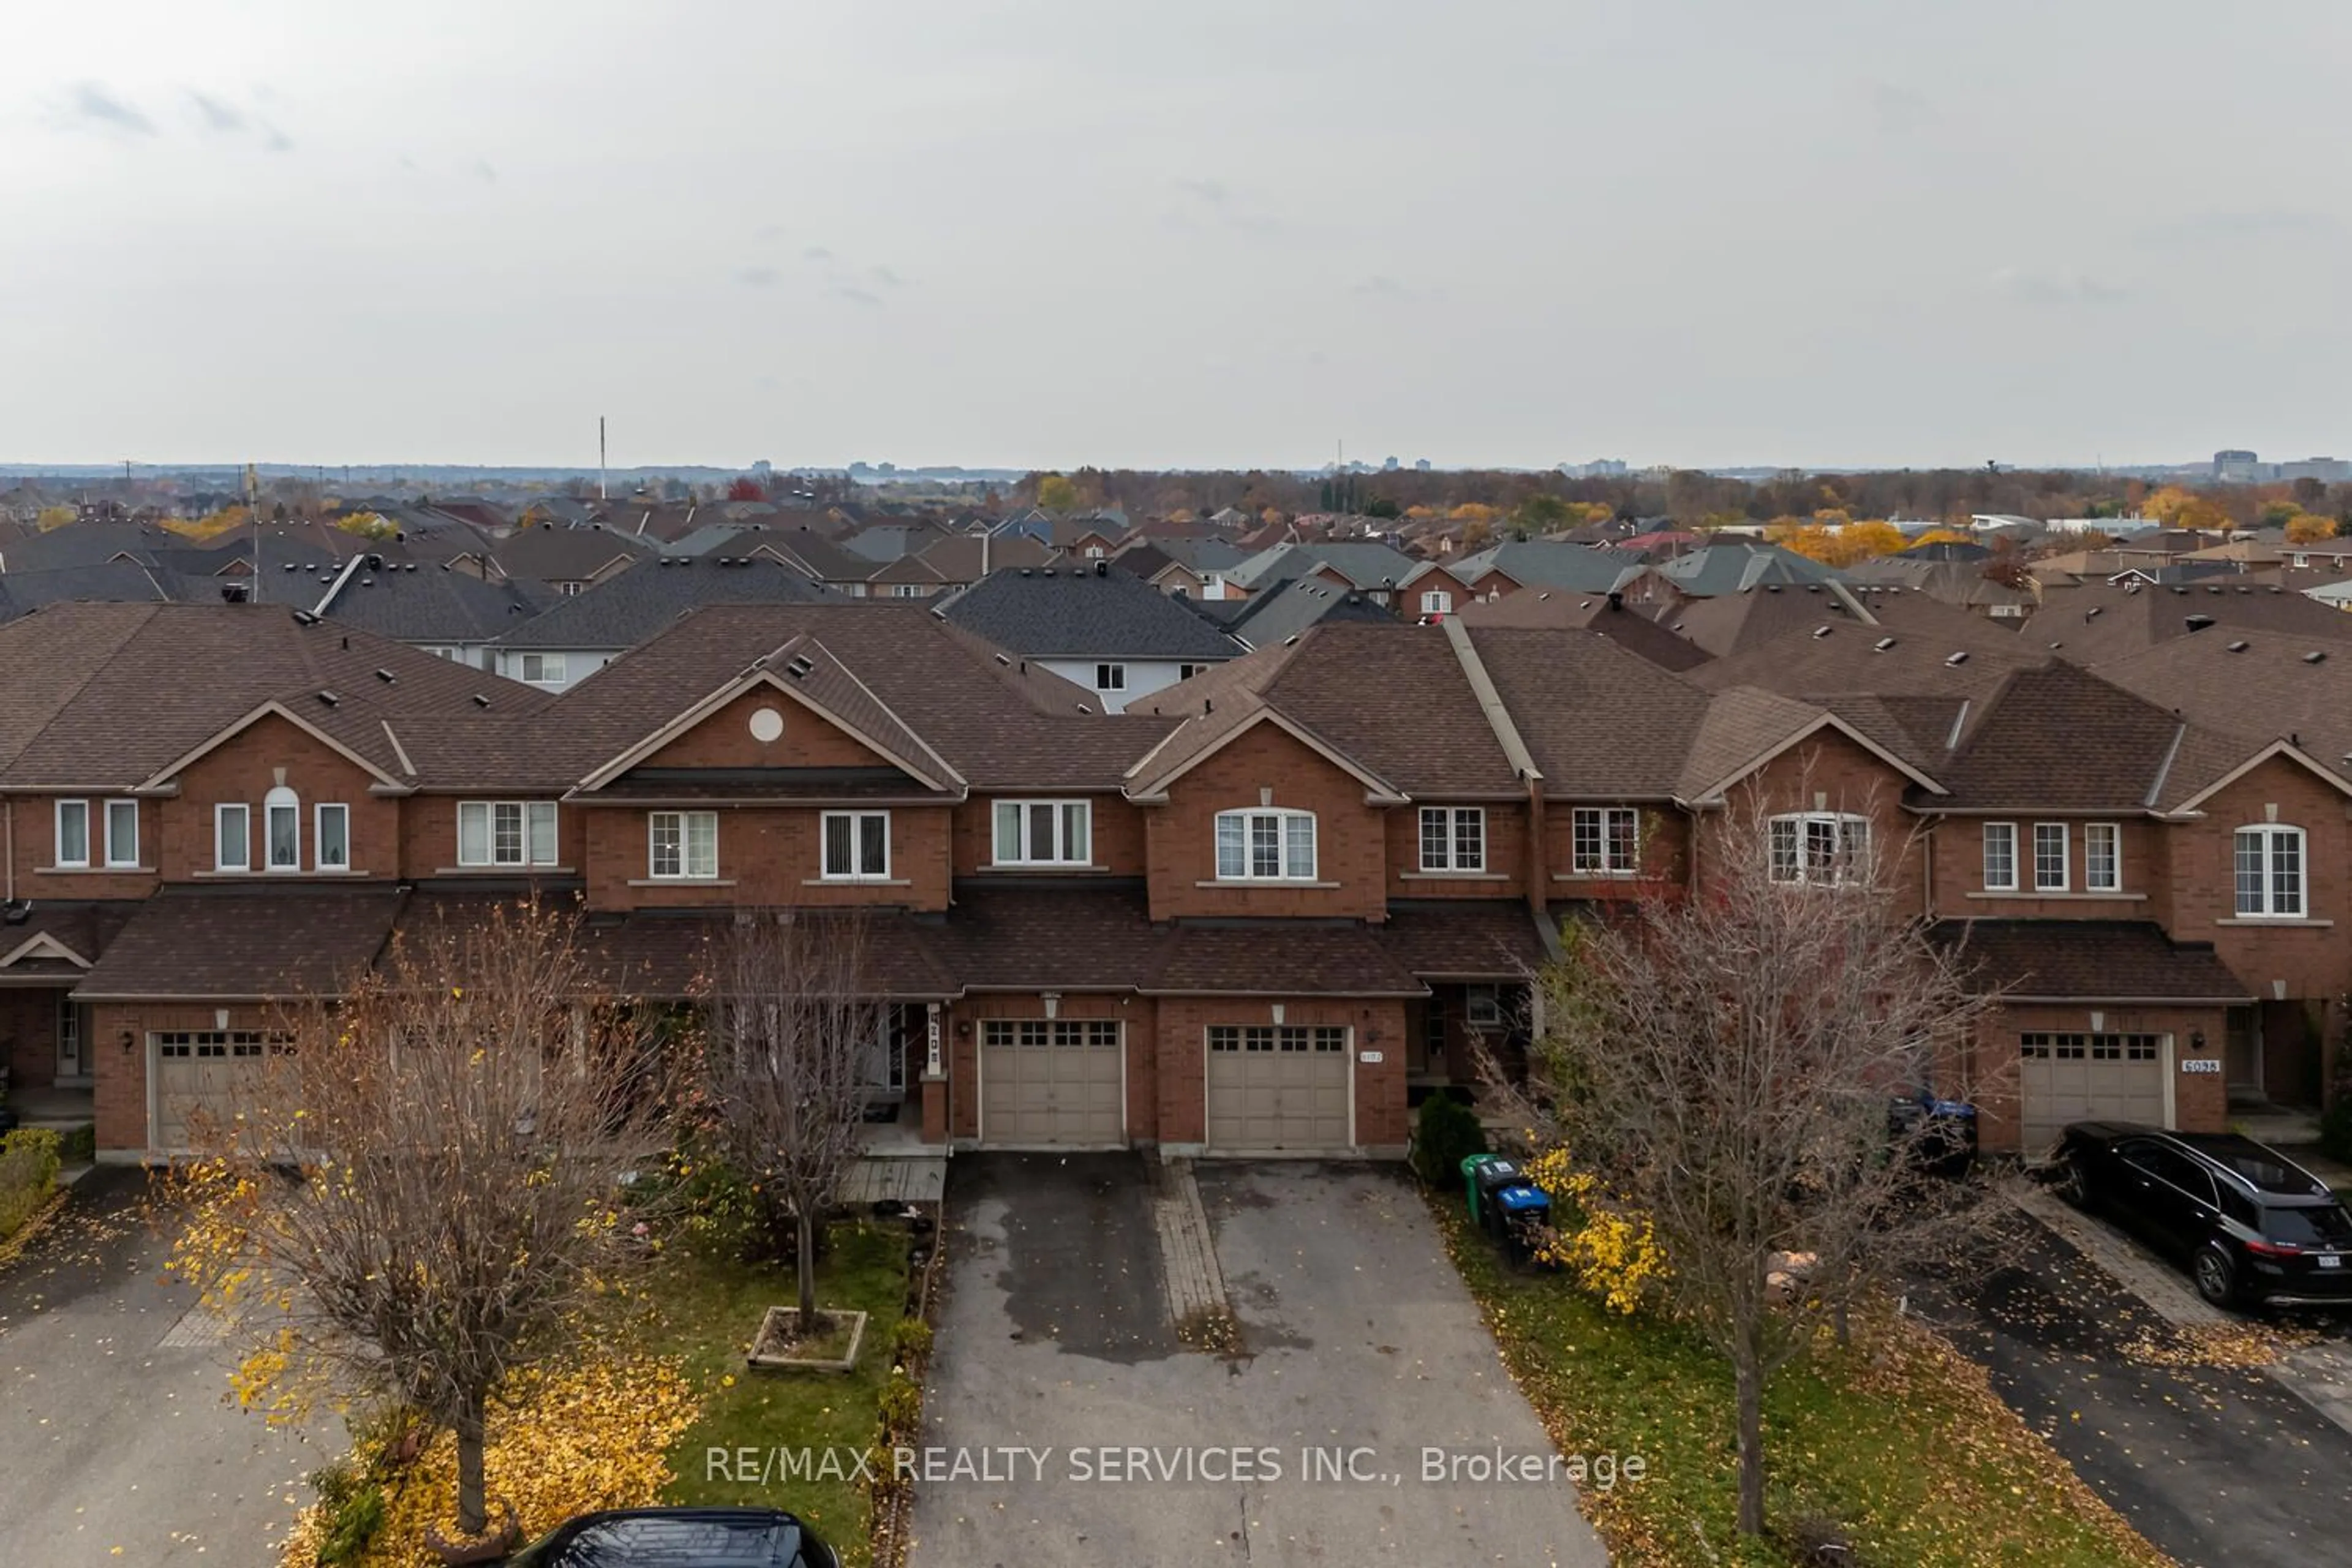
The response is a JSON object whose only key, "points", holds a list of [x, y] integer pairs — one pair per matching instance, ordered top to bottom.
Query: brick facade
{"points": [[1266, 767]]}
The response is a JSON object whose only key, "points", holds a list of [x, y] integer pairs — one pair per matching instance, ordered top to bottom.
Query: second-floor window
{"points": [[1436, 602], [541, 669], [1110, 678], [281, 830], [122, 832], [506, 832], [73, 833], [1043, 833], [232, 838], [1453, 838], [334, 839], [1604, 840], [685, 845], [856, 846], [1265, 846], [1823, 848], [2000, 856], [2050, 857], [2103, 865], [2269, 870]]}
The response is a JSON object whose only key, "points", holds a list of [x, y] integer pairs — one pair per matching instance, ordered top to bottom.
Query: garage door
{"points": [[198, 1075], [2083, 1077], [1052, 1081], [1278, 1087]]}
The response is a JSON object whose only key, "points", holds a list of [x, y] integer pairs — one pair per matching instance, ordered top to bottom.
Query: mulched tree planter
{"points": [[780, 1346]]}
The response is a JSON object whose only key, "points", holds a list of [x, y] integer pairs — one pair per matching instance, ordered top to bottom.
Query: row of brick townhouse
{"points": [[1265, 910]]}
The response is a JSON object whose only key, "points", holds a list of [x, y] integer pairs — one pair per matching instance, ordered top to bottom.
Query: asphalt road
{"points": [[116, 1448], [2214, 1465]]}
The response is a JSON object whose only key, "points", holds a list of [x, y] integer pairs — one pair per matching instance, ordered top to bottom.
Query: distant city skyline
{"points": [[1225, 236]]}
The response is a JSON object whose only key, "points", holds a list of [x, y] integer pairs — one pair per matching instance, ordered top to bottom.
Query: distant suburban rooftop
{"points": [[1044, 613]]}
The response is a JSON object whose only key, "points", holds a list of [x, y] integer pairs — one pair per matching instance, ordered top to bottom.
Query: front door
{"points": [[72, 1063]]}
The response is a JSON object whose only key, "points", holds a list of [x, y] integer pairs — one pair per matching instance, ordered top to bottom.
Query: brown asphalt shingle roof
{"points": [[2095, 624], [2261, 685], [107, 694], [999, 722], [1601, 722], [2061, 738], [1465, 939], [287, 941], [2090, 961]]}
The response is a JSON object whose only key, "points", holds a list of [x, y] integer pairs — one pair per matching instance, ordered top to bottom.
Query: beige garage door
{"points": [[198, 1074], [2085, 1077], [1052, 1081], [1278, 1086]]}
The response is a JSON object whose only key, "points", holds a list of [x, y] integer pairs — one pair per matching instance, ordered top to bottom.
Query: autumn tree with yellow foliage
{"points": [[2175, 506], [2309, 528], [421, 1189]]}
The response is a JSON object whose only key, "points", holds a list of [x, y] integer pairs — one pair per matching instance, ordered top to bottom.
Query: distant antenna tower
{"points": [[599, 456]]}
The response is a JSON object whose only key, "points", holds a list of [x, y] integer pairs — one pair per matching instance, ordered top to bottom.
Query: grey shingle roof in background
{"points": [[1364, 563], [1548, 564], [638, 602], [431, 605], [1286, 609], [1044, 613]]}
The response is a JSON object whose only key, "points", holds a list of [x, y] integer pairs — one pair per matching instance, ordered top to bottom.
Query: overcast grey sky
{"points": [[1212, 233]]}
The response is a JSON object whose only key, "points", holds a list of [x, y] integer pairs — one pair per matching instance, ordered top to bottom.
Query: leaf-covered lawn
{"points": [[708, 1311], [1900, 1441]]}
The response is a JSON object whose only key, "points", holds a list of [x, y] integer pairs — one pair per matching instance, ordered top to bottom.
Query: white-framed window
{"points": [[909, 590], [1436, 602], [540, 668], [1187, 671], [1110, 678], [281, 830], [122, 832], [506, 832], [73, 833], [1045, 833], [332, 837], [232, 838], [1453, 838], [1604, 840], [682, 845], [856, 846], [1266, 846], [1821, 848], [2000, 856], [2050, 858], [2103, 860], [2269, 870], [1481, 1006]]}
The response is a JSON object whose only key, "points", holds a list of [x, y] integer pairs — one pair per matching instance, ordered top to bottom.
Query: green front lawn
{"points": [[707, 1309], [1901, 1443]]}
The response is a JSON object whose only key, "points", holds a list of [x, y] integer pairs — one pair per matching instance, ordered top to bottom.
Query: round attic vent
{"points": [[767, 725]]}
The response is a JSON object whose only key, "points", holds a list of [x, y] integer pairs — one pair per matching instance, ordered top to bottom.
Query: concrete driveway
{"points": [[1067, 1424], [116, 1446], [2214, 1463]]}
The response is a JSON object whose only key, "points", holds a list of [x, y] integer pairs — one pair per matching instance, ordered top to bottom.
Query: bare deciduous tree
{"points": [[791, 1030], [1724, 1058], [422, 1185]]}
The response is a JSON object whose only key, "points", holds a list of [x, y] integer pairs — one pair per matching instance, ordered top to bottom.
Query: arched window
{"points": [[283, 827], [2270, 871]]}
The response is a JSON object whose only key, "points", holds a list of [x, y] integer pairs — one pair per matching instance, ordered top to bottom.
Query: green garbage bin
{"points": [[1470, 1164]]}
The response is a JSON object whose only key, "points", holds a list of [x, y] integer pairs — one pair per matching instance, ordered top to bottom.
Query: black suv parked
{"points": [[2251, 1224], [679, 1538]]}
